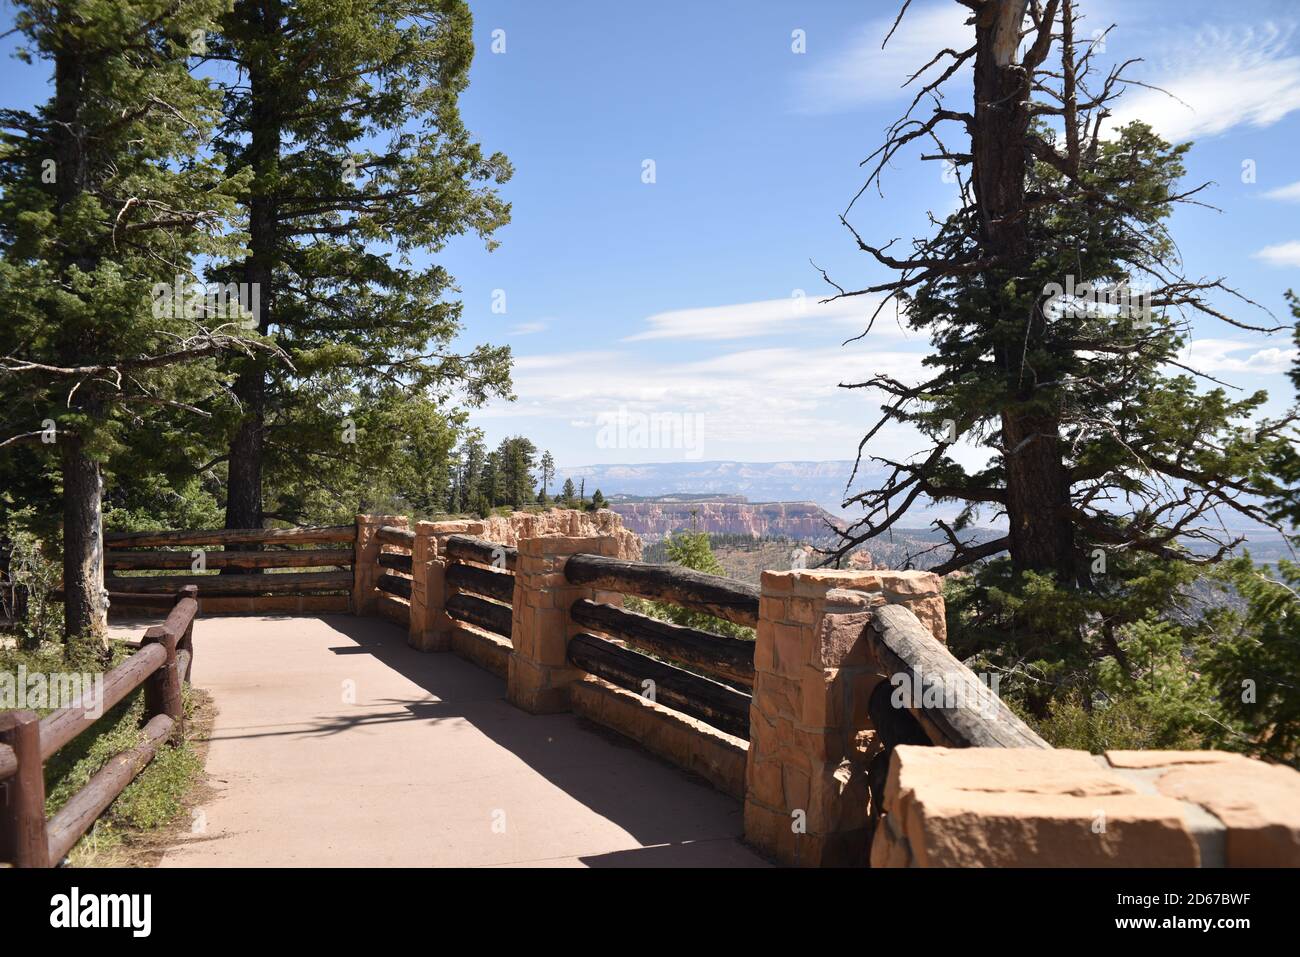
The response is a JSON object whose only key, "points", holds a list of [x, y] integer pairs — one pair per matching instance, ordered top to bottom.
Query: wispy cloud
{"points": [[859, 73], [1219, 78], [1287, 194], [1281, 254], [746, 320], [528, 328], [1213, 356], [784, 395]]}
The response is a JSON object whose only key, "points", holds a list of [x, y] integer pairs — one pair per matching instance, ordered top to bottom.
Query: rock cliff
{"points": [[802, 521]]}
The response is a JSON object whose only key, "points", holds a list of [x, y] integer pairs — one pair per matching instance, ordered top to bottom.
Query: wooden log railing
{"points": [[467, 548], [231, 551], [480, 583], [499, 586], [712, 594], [481, 613], [730, 659], [161, 665], [718, 694], [948, 701], [712, 702], [944, 703]]}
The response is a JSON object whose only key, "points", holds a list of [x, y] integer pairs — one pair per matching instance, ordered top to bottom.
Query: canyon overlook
{"points": [[803, 521]]}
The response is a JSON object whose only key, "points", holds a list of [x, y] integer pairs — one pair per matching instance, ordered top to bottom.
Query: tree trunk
{"points": [[1037, 485], [244, 502], [85, 606]]}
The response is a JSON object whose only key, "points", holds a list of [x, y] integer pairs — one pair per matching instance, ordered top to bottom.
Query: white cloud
{"points": [[861, 73], [1224, 78], [1288, 194], [1281, 254], [771, 316], [528, 328], [1213, 356], [782, 395]]}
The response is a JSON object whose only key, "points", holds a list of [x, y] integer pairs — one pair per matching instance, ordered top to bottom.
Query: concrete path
{"points": [[337, 745]]}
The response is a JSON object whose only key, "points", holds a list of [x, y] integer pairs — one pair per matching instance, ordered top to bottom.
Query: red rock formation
{"points": [[803, 521]]}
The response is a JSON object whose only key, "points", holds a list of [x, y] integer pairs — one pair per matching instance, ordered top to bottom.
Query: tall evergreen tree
{"points": [[346, 113], [105, 204], [1057, 304], [548, 472]]}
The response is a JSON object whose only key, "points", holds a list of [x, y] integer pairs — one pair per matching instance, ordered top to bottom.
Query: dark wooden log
{"points": [[393, 535], [233, 536], [467, 548], [284, 558], [396, 561], [492, 584], [213, 585], [394, 585], [732, 600], [489, 615], [185, 644], [731, 659], [162, 689], [949, 701], [713, 703], [60, 727], [83, 808], [22, 816]]}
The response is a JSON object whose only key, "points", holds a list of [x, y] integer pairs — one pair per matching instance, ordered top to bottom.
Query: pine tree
{"points": [[347, 117], [107, 201], [1055, 300], [548, 473], [569, 492], [598, 500]]}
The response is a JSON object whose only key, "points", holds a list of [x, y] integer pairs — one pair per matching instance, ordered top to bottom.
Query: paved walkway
{"points": [[337, 745]]}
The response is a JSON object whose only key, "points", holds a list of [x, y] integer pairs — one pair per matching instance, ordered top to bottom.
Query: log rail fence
{"points": [[161, 665], [798, 720]]}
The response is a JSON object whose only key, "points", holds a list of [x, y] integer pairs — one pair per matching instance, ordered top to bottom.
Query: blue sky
{"points": [[756, 152], [694, 297]]}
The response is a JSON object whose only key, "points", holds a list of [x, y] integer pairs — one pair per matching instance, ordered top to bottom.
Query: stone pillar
{"points": [[365, 561], [430, 628], [539, 670], [806, 789]]}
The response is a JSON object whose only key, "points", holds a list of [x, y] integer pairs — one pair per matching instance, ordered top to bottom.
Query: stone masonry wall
{"points": [[806, 795], [987, 807]]}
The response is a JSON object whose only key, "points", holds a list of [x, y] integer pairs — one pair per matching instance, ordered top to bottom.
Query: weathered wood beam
{"points": [[393, 535], [232, 536], [467, 548], [297, 558], [395, 561], [492, 584], [210, 585], [394, 585], [712, 594], [489, 615], [731, 659], [949, 701], [711, 702], [83, 808]]}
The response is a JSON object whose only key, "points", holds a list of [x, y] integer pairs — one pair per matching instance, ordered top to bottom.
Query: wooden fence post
{"points": [[186, 640], [162, 689], [22, 821]]}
